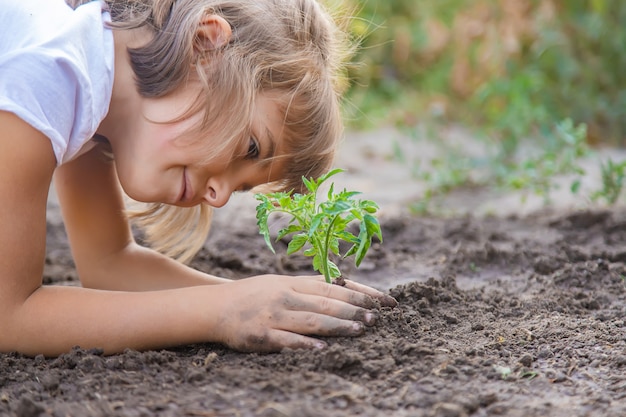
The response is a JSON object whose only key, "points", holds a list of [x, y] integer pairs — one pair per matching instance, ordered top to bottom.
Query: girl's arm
{"points": [[261, 314]]}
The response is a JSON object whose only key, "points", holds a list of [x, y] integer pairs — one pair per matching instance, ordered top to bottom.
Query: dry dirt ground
{"points": [[509, 315]]}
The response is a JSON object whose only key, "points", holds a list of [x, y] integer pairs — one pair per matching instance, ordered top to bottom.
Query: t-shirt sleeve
{"points": [[61, 84]]}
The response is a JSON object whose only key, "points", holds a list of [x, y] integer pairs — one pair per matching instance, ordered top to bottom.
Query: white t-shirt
{"points": [[56, 69]]}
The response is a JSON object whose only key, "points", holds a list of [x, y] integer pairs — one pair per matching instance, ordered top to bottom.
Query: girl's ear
{"points": [[214, 32]]}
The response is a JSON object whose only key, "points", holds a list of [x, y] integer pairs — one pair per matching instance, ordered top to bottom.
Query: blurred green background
{"points": [[511, 71]]}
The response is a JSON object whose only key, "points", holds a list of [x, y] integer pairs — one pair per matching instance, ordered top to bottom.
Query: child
{"points": [[177, 103]]}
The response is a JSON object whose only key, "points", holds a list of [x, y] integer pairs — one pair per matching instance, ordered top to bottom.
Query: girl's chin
{"points": [[138, 194], [142, 197]]}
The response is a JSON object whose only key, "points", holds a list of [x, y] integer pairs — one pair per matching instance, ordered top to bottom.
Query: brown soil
{"points": [[497, 316]]}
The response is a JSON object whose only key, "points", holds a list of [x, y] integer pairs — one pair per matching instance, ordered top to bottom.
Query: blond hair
{"points": [[290, 48]]}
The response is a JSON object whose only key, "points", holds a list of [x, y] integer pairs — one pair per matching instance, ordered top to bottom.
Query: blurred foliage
{"points": [[513, 67], [512, 72], [534, 172], [613, 175]]}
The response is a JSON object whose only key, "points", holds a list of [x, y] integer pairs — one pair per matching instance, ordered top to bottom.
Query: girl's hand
{"points": [[271, 312]]}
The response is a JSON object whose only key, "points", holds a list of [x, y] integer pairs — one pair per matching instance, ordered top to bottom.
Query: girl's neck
{"points": [[125, 105]]}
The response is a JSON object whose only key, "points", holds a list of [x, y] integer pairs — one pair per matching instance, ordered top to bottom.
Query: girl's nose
{"points": [[217, 193]]}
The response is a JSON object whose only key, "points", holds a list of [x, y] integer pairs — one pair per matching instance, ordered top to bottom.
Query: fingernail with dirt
{"points": [[389, 301], [370, 303], [367, 317], [370, 318], [358, 328], [320, 345]]}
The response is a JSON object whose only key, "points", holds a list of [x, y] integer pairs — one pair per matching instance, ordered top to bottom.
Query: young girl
{"points": [[177, 103]]}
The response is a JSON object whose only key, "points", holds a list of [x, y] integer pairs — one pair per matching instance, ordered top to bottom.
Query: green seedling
{"points": [[613, 176], [317, 228]]}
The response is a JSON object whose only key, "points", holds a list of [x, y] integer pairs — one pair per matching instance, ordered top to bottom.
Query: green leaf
{"points": [[330, 174], [310, 185], [347, 195], [285, 200], [369, 206], [337, 207], [357, 214], [262, 216], [340, 222], [315, 223], [373, 226], [292, 228], [346, 236], [297, 243], [364, 244], [334, 245], [352, 249], [362, 251], [317, 263]]}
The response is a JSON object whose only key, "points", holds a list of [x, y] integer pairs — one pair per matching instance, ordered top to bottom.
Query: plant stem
{"points": [[326, 254]]}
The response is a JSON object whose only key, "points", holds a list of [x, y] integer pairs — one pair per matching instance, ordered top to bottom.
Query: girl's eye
{"points": [[253, 149]]}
